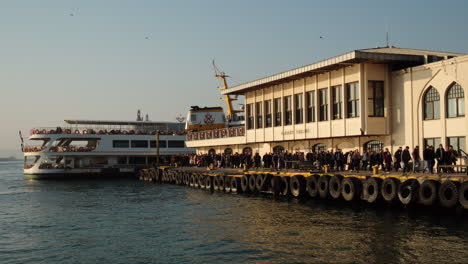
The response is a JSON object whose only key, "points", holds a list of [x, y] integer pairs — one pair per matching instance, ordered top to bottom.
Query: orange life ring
{"points": [[241, 130], [43, 131], [68, 131], [77, 131], [85, 132], [223, 132]]}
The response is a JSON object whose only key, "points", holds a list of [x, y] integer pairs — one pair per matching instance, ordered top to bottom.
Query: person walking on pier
{"points": [[440, 154], [427, 156], [398, 158], [387, 159], [405, 159], [416, 159], [257, 160], [339, 160], [356, 160]]}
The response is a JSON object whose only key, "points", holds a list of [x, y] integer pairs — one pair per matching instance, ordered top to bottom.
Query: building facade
{"points": [[364, 99]]}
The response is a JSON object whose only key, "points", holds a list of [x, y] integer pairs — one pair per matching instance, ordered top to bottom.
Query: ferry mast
{"points": [[227, 98]]}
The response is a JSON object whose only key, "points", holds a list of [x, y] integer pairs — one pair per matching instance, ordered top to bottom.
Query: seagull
{"points": [[71, 14], [146, 37], [321, 37]]}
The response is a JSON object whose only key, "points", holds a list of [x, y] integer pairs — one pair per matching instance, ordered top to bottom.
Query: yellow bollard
{"points": [[176, 164], [212, 166], [245, 167], [326, 168], [375, 169]]}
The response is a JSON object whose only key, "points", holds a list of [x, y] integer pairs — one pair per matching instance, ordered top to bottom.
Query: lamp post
{"points": [[157, 148]]}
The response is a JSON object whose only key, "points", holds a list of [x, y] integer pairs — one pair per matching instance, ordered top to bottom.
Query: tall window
{"points": [[352, 98], [455, 101], [337, 102], [375, 103], [323, 104], [431, 104], [310, 106], [277, 110], [287, 110], [268, 113], [299, 113], [259, 114], [250, 116], [435, 142], [458, 143]]}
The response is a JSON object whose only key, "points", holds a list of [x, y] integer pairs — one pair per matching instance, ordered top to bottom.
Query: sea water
{"points": [[130, 221]]}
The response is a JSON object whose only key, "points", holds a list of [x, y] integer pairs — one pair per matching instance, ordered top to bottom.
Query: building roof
{"points": [[391, 55], [121, 123]]}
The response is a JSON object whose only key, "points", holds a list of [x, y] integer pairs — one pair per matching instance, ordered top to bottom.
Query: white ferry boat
{"points": [[100, 148]]}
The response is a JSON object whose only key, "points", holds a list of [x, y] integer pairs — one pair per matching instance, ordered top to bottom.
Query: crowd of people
{"points": [[403, 159]]}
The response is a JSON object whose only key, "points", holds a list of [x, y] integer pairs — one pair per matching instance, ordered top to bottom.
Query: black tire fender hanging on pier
{"points": [[201, 181], [209, 182], [252, 182], [260, 182], [215, 183], [221, 183], [244, 183], [275, 183], [323, 183], [227, 184], [235, 185], [284, 185], [297, 185], [312, 185], [335, 186], [351, 188], [371, 189], [389, 189], [408, 191], [428, 192], [448, 194], [463, 195]]}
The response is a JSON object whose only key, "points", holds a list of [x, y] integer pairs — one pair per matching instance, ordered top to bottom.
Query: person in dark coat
{"points": [[440, 155], [398, 158], [405, 158], [339, 160]]}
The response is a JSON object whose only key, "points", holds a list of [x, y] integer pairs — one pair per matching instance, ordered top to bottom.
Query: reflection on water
{"points": [[126, 221]]}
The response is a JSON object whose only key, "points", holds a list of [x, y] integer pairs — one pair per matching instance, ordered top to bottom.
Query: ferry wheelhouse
{"points": [[97, 147]]}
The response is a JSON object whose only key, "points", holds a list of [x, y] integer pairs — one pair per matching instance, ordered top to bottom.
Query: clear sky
{"points": [[102, 59]]}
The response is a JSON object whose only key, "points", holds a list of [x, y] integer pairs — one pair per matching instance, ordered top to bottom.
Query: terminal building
{"points": [[365, 99]]}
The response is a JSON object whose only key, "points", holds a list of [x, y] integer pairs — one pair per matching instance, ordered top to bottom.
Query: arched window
{"points": [[455, 101], [431, 104], [373, 145], [319, 147], [278, 149], [247, 150], [228, 151]]}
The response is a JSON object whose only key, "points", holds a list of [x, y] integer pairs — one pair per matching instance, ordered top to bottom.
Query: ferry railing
{"points": [[100, 131], [216, 133], [33, 148]]}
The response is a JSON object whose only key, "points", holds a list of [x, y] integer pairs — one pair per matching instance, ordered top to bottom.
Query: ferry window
{"points": [[310, 98], [352, 98], [455, 101], [323, 102], [337, 102], [375, 103], [431, 104], [299, 107], [277, 109], [287, 110], [268, 113], [259, 114], [250, 116], [193, 117], [435, 142], [139, 143], [176, 143], [458, 143], [120, 144], [162, 144], [122, 160], [137, 160]]}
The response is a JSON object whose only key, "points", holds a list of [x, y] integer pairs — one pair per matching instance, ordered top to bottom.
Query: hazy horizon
{"points": [[106, 59]]}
